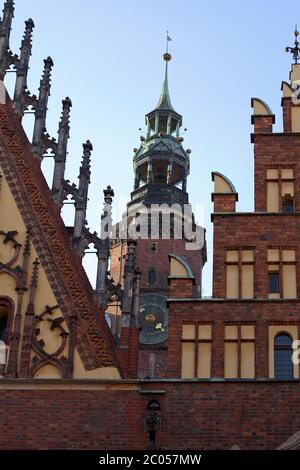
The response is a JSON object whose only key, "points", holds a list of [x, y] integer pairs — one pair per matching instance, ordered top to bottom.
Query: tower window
{"points": [[280, 190], [288, 205], [240, 273], [152, 276], [282, 282], [274, 283], [196, 351], [239, 351], [283, 365]]}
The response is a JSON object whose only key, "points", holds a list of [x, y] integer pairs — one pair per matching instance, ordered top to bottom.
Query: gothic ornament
{"points": [[295, 50], [42, 358]]}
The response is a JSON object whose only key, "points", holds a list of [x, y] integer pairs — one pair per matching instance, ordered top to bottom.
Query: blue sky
{"points": [[107, 57]]}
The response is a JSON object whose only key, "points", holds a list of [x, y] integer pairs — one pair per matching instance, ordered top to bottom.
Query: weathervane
{"points": [[168, 40], [296, 49], [167, 56]]}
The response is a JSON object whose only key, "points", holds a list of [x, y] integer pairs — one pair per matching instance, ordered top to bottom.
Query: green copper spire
{"points": [[165, 100], [163, 119]]}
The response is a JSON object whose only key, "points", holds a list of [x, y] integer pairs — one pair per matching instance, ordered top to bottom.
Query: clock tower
{"points": [[160, 218]]}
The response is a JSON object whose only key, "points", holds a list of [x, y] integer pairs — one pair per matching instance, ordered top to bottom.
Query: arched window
{"points": [[152, 276], [3, 322], [283, 365]]}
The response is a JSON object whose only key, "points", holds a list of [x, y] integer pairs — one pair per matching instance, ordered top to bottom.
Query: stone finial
{"points": [[9, 6], [8, 15], [29, 26], [5, 29], [22, 68], [46, 77], [67, 105], [41, 109], [64, 126], [87, 152], [61, 154], [85, 172], [108, 195], [106, 217], [27, 247], [103, 251], [35, 273]]}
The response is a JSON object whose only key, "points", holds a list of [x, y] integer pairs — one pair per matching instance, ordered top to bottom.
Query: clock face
{"points": [[153, 319]]}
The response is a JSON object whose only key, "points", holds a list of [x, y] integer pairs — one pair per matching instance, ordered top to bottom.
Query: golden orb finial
{"points": [[167, 57]]}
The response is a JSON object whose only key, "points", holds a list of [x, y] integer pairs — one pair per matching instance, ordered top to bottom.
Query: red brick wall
{"points": [[287, 114], [263, 123], [271, 150], [225, 202], [253, 230], [118, 253], [146, 259], [261, 314], [128, 351], [160, 367], [254, 415], [71, 420]]}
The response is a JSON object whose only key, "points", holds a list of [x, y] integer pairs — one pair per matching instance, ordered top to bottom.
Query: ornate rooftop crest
{"points": [[296, 49]]}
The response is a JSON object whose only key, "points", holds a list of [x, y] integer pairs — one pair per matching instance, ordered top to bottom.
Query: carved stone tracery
{"points": [[9, 237], [31, 341], [42, 357]]}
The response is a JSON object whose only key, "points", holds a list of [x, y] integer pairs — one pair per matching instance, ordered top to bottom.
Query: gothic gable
{"points": [[56, 329]]}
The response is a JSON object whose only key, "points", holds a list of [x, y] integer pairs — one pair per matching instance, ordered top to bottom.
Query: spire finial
{"points": [[29, 25], [5, 29], [169, 39], [296, 49], [167, 57], [48, 64], [22, 68], [165, 100], [41, 109], [87, 152], [61, 153], [108, 195], [81, 200], [27, 244], [35, 273]]}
